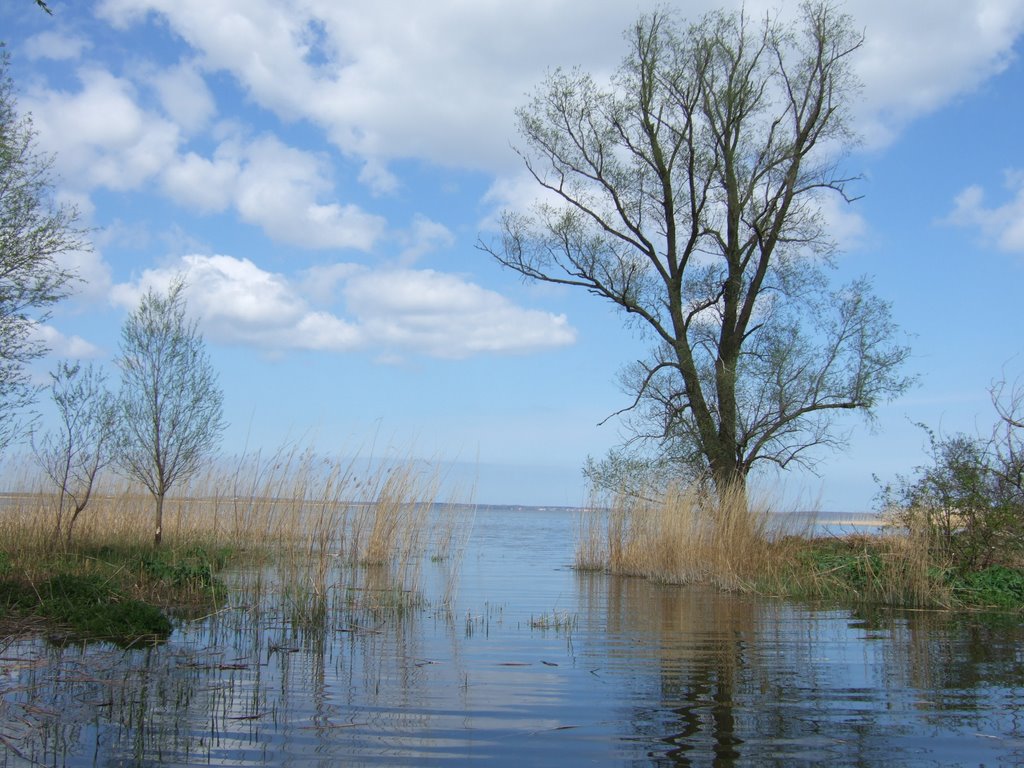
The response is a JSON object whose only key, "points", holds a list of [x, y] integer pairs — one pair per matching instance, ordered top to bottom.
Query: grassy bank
{"points": [[303, 535], [690, 538], [126, 595]]}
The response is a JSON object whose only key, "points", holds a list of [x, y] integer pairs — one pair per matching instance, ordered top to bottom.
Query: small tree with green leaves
{"points": [[34, 233], [171, 403], [82, 444], [970, 496]]}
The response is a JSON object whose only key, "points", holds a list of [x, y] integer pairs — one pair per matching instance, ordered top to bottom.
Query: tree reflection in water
{"points": [[626, 673]]}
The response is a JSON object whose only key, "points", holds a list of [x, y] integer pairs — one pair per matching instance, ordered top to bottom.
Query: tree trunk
{"points": [[730, 484], [159, 520]]}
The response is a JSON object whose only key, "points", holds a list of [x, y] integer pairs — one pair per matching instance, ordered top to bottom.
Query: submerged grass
{"points": [[691, 537], [305, 538]]}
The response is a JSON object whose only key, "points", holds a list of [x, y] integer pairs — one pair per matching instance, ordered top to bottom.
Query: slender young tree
{"points": [[688, 193], [34, 233], [171, 403], [82, 444]]}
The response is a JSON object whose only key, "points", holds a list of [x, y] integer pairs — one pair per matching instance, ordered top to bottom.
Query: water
{"points": [[534, 664]]}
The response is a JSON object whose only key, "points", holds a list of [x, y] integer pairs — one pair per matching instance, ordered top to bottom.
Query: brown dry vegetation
{"points": [[308, 534], [685, 537], [690, 537]]}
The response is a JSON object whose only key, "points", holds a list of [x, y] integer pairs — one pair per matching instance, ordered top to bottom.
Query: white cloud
{"points": [[56, 45], [916, 59], [390, 79], [440, 81], [183, 95], [100, 136], [376, 176], [204, 185], [275, 187], [278, 188], [843, 222], [1000, 225], [423, 237], [92, 271], [321, 282], [237, 301], [394, 312], [444, 316], [61, 345]]}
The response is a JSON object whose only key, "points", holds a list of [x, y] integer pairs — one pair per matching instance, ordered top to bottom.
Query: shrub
{"points": [[969, 498]]}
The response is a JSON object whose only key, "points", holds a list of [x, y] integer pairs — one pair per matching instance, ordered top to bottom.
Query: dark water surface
{"points": [[534, 664]]}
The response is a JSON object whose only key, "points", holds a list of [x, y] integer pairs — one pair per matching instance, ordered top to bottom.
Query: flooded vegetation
{"points": [[502, 651]]}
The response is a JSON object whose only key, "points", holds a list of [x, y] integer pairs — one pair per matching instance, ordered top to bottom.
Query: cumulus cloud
{"points": [[56, 45], [914, 61], [389, 80], [386, 81], [439, 81], [184, 95], [100, 136], [207, 185], [273, 186], [278, 188], [843, 222], [1000, 225], [423, 237], [92, 271], [321, 283], [241, 303], [392, 312], [444, 316], [61, 345]]}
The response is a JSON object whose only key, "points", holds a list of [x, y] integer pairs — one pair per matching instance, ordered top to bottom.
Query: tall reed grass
{"points": [[309, 533], [685, 536], [690, 536]]}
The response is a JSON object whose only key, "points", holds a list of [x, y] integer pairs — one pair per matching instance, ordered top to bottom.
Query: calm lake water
{"points": [[533, 664]]}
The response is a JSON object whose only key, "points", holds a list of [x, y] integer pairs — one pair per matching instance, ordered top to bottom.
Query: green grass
{"points": [[886, 570], [996, 586], [122, 595], [86, 607]]}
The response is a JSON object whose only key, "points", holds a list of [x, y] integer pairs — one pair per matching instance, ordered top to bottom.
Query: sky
{"points": [[321, 172]]}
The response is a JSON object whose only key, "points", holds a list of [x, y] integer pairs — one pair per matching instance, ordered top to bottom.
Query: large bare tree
{"points": [[688, 192], [171, 403]]}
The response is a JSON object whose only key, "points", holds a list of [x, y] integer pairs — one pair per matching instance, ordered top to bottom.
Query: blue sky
{"points": [[322, 170]]}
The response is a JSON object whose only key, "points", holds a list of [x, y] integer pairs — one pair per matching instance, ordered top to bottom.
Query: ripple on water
{"points": [[532, 664]]}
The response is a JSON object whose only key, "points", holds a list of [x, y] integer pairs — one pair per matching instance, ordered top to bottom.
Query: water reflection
{"points": [[535, 664], [742, 681]]}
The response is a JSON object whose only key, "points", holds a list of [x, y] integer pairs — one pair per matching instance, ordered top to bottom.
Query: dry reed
{"points": [[318, 533], [686, 536], [692, 537]]}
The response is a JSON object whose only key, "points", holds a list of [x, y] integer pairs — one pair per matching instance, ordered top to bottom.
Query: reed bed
{"points": [[306, 536], [689, 536], [684, 537]]}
